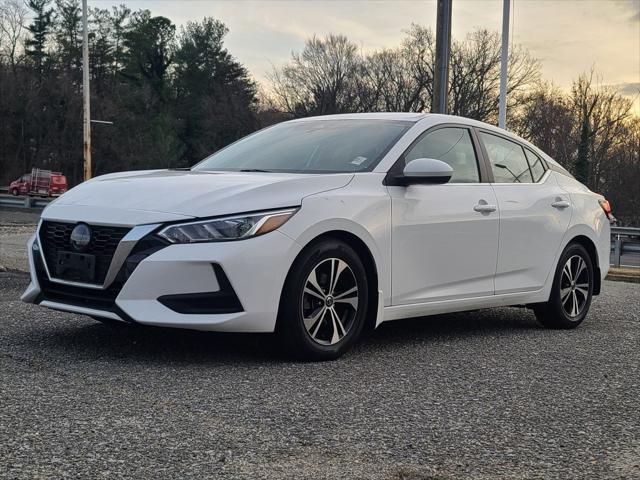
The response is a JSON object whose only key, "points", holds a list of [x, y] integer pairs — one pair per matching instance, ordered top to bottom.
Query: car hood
{"points": [[188, 194]]}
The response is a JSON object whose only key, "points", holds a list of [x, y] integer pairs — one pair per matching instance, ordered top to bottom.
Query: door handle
{"points": [[560, 204], [485, 208]]}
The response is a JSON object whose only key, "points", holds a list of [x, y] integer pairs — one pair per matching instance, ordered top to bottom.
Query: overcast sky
{"points": [[567, 36]]}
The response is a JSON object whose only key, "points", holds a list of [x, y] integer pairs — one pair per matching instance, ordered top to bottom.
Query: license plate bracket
{"points": [[77, 267]]}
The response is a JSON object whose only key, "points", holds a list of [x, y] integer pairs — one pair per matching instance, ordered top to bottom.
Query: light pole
{"points": [[443, 50], [504, 61], [86, 107]]}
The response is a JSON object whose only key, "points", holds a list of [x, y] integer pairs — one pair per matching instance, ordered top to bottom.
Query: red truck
{"points": [[39, 182]]}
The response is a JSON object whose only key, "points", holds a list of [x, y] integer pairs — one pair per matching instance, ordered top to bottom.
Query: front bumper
{"points": [[183, 278]]}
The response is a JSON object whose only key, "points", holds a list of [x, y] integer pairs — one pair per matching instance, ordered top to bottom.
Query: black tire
{"points": [[14, 192], [323, 258], [560, 312]]}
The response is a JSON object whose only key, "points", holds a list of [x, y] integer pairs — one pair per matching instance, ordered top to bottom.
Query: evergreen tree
{"points": [[120, 17], [40, 28], [68, 32], [150, 44], [101, 48], [216, 97], [581, 168]]}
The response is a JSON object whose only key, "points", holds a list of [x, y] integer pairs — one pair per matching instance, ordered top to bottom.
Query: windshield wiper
{"points": [[255, 170]]}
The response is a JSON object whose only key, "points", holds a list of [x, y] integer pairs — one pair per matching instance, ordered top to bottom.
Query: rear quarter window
{"points": [[536, 164]]}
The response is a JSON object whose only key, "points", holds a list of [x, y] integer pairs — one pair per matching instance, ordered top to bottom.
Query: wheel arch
{"points": [[591, 249], [365, 254]]}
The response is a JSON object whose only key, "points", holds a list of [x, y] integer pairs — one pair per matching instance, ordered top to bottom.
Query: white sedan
{"points": [[319, 227]]}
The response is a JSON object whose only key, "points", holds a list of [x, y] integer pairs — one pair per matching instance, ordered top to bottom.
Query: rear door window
{"points": [[508, 161]]}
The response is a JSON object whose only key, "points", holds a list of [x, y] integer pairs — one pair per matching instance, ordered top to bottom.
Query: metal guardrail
{"points": [[24, 202], [624, 240]]}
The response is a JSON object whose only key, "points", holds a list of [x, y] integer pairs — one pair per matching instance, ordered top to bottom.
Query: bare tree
{"points": [[13, 14], [329, 76], [475, 76], [400, 79], [319, 80], [600, 112], [546, 118]]}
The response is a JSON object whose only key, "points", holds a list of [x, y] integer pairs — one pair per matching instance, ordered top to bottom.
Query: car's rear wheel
{"points": [[14, 192], [571, 292], [324, 302]]}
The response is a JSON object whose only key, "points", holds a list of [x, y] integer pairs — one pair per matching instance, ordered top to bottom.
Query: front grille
{"points": [[55, 237], [72, 295], [94, 298]]}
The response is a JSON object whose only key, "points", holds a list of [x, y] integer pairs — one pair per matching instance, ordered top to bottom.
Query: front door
{"points": [[25, 184], [444, 237]]}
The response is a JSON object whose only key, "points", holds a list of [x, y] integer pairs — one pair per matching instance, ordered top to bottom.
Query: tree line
{"points": [[175, 94]]}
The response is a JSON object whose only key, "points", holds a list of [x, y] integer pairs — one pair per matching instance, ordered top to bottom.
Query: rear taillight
{"points": [[606, 207]]}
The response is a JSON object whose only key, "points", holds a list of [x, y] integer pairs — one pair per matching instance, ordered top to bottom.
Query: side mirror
{"points": [[425, 171]]}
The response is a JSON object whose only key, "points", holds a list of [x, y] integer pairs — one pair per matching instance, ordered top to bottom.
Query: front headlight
{"points": [[227, 228]]}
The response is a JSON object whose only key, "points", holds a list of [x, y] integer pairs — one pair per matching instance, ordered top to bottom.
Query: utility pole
{"points": [[443, 50], [504, 63], [86, 107]]}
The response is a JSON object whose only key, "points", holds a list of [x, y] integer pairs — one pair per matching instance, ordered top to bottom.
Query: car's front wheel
{"points": [[14, 192], [571, 292], [324, 302]]}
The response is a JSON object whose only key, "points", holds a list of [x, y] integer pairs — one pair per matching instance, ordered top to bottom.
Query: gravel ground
{"points": [[24, 216], [16, 226], [480, 395]]}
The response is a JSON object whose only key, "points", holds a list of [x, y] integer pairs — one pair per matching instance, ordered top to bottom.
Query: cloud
{"points": [[631, 6], [629, 89]]}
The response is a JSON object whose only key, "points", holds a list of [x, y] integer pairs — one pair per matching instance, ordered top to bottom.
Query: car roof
{"points": [[403, 116], [434, 119]]}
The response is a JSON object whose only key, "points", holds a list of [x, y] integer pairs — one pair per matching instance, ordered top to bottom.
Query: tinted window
{"points": [[453, 146], [311, 147], [508, 163], [536, 164]]}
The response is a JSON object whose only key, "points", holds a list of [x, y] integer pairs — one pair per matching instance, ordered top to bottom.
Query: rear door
{"points": [[58, 184], [534, 214], [444, 237]]}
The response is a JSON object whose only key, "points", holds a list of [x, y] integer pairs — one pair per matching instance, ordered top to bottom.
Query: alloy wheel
{"points": [[574, 286], [330, 301]]}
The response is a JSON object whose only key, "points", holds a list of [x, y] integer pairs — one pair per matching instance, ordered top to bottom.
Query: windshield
{"points": [[319, 146]]}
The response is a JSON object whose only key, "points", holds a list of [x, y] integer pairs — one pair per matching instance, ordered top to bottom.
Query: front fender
{"points": [[357, 209]]}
